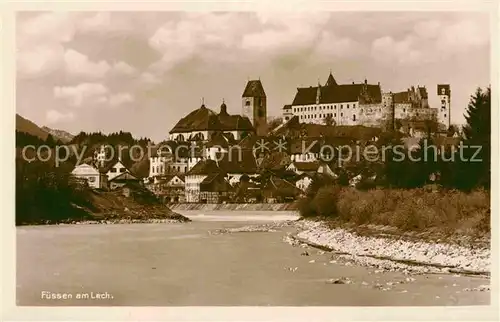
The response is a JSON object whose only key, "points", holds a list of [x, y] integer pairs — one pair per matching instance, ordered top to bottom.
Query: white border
{"points": [[7, 89]]}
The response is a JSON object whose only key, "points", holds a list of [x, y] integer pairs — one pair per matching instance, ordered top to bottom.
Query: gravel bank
{"points": [[394, 254]]}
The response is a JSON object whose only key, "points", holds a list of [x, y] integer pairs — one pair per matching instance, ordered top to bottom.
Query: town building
{"points": [[345, 104], [364, 104], [254, 106], [444, 114], [200, 124], [123, 179]]}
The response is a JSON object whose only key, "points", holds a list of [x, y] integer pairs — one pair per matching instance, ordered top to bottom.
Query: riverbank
{"points": [[235, 207], [392, 253]]}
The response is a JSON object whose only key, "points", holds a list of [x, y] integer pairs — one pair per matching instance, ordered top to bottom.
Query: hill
{"points": [[26, 126], [61, 135]]}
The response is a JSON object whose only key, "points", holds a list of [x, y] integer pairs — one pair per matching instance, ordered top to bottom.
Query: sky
{"points": [[143, 71]]}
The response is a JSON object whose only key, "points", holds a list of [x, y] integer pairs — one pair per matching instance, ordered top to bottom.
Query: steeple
{"points": [[331, 81], [223, 108]]}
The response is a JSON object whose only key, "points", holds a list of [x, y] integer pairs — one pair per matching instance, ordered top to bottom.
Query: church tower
{"points": [[254, 106], [444, 113]]}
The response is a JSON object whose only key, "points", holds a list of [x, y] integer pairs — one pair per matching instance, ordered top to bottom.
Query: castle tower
{"points": [[254, 106], [444, 113]]}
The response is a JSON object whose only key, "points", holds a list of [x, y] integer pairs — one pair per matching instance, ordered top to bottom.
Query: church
{"points": [[202, 123]]}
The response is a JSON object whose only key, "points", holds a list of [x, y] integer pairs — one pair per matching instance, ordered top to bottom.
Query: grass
{"points": [[447, 211]]}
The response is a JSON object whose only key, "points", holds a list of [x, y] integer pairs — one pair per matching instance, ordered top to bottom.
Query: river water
{"points": [[187, 264]]}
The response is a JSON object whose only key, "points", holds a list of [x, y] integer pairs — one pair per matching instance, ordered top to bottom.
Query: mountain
{"points": [[26, 126], [64, 136]]}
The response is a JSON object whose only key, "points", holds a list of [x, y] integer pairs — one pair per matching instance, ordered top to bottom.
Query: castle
{"points": [[365, 104]]}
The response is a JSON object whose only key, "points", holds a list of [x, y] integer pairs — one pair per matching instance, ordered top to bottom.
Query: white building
{"points": [[345, 104], [444, 114], [91, 174]]}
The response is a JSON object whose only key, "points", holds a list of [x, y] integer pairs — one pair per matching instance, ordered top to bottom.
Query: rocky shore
{"points": [[411, 256]]}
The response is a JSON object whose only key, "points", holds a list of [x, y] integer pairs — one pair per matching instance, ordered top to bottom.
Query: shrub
{"points": [[325, 201]]}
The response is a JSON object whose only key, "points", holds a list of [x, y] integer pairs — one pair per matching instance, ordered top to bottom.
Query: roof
{"points": [[331, 81], [254, 88], [423, 92], [337, 94], [401, 97], [287, 106], [205, 119], [218, 139], [233, 162], [306, 166], [204, 167], [125, 176], [205, 185], [282, 186]]}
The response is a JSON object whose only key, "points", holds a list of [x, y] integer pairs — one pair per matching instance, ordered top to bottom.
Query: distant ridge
{"points": [[26, 126], [64, 136]]}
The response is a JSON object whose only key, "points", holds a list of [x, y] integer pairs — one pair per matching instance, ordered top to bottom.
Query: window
{"points": [[443, 102], [247, 103], [347, 105], [341, 106], [334, 107], [404, 110], [335, 114], [341, 114], [445, 115], [354, 117], [122, 170], [92, 179]]}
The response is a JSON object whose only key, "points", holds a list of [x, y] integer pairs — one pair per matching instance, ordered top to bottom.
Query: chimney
{"points": [[366, 82], [353, 83]]}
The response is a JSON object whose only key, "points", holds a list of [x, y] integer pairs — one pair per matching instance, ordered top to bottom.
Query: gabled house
{"points": [[237, 163], [304, 167], [115, 169], [195, 177], [95, 178], [122, 179], [170, 187], [215, 189], [279, 190]]}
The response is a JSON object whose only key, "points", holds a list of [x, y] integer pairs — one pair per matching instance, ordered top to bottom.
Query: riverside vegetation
{"points": [[401, 196]]}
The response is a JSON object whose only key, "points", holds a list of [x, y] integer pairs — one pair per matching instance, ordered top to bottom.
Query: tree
{"points": [[328, 120], [274, 123], [475, 169]]}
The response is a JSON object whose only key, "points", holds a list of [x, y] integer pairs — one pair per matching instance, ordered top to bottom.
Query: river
{"points": [[187, 264]]}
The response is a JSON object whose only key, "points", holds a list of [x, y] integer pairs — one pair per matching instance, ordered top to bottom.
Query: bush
{"points": [[324, 203], [412, 209]]}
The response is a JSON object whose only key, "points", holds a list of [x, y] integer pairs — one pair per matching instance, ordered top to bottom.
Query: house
{"points": [[237, 163], [304, 167], [115, 169], [196, 176], [95, 178], [122, 179], [170, 188], [215, 189], [278, 190]]}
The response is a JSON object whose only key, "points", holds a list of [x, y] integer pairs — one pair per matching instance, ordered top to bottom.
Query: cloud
{"points": [[208, 36], [390, 50], [39, 61], [79, 65], [124, 68], [149, 78], [82, 93], [120, 99], [53, 116]]}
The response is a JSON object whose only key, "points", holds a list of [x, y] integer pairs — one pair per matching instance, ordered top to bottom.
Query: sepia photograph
{"points": [[253, 158]]}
